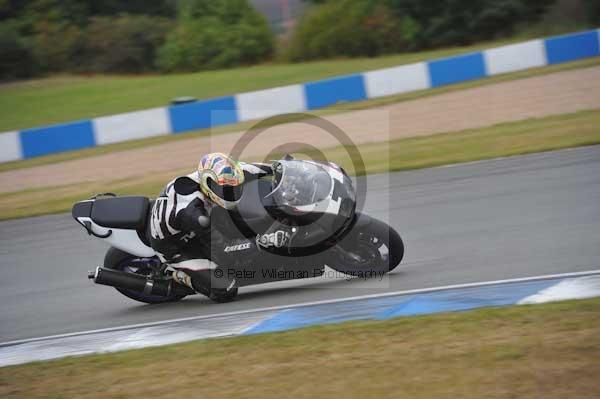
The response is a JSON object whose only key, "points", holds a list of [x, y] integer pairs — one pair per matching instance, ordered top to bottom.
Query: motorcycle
{"points": [[317, 199]]}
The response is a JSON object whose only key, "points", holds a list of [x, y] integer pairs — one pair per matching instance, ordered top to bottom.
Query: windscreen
{"points": [[300, 184]]}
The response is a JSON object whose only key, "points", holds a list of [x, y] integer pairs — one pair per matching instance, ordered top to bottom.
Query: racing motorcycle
{"points": [[317, 199]]}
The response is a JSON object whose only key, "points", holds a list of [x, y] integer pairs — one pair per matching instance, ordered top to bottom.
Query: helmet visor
{"points": [[226, 191]]}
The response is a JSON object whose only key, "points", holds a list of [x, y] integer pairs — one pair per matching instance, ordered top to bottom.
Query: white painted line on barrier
{"points": [[515, 57], [397, 80], [270, 102], [131, 126], [10, 147], [307, 304]]}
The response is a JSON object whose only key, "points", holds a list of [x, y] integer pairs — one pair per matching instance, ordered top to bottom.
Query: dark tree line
{"points": [[373, 27], [133, 36]]}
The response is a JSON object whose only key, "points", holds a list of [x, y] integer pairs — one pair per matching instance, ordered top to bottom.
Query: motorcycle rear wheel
{"points": [[120, 260]]}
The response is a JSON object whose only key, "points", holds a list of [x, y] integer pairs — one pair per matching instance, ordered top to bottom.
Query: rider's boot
{"points": [[183, 278], [206, 282], [223, 290]]}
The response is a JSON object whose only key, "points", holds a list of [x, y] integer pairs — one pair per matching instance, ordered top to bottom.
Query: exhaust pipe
{"points": [[135, 282]]}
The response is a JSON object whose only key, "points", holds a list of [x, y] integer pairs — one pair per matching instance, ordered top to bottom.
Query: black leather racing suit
{"points": [[186, 231]]}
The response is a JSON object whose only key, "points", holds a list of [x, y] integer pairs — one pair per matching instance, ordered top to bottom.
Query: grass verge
{"points": [[64, 98], [343, 107], [532, 135], [549, 350]]}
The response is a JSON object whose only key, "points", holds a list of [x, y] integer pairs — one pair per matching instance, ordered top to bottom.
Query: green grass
{"points": [[66, 98], [533, 135], [505, 139], [128, 145], [542, 351]]}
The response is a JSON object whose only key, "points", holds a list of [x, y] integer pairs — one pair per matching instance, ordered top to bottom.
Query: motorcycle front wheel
{"points": [[371, 248]]}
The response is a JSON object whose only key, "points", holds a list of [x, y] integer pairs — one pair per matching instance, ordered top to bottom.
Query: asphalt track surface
{"points": [[498, 219]]}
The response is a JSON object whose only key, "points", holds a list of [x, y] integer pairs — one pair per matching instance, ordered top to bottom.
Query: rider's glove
{"points": [[194, 217], [279, 235]]}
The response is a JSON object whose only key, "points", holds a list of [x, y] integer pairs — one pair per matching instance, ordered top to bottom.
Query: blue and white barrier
{"points": [[209, 113], [131, 126], [370, 307]]}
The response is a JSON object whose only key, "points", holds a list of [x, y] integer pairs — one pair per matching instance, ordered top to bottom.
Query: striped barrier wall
{"points": [[29, 143], [520, 291]]}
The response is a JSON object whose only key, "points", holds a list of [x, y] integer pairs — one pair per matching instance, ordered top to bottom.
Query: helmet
{"points": [[221, 179]]}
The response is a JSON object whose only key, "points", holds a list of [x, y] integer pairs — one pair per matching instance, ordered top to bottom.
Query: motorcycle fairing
{"points": [[127, 233]]}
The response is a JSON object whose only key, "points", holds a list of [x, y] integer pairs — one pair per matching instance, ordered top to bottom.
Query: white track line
{"points": [[306, 304]]}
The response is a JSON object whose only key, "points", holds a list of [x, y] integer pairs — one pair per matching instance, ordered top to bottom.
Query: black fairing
{"points": [[252, 211], [317, 231]]}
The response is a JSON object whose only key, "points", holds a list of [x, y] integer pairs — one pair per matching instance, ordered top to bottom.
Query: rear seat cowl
{"points": [[129, 212]]}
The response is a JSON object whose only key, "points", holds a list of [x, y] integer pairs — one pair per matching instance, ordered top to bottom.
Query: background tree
{"points": [[593, 11], [456, 22], [347, 27], [371, 27], [215, 34], [126, 43], [15, 54]]}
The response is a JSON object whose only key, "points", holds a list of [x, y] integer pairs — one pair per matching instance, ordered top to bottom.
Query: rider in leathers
{"points": [[185, 224]]}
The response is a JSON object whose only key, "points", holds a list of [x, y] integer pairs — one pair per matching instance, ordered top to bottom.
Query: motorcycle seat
{"points": [[129, 212]]}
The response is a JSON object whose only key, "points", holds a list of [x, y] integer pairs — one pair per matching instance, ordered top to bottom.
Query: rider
{"points": [[183, 217]]}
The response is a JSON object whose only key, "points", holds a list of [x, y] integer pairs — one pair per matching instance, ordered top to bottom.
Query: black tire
{"points": [[372, 248], [120, 260], [223, 296]]}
